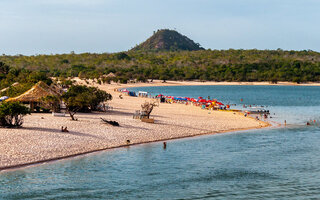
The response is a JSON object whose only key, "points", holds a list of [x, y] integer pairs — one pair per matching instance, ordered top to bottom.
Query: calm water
{"points": [[282, 163]]}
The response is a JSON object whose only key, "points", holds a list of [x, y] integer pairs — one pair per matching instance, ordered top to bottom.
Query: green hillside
{"points": [[168, 40]]}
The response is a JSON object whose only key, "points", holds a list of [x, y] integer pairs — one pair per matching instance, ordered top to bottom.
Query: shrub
{"points": [[11, 114]]}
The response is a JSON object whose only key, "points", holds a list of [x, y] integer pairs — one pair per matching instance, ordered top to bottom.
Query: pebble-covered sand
{"points": [[41, 138]]}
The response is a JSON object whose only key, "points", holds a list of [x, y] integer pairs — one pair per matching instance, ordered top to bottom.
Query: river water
{"points": [[272, 163]]}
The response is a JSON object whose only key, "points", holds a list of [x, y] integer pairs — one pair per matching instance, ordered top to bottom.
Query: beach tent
{"points": [[110, 75], [124, 90], [131, 93], [35, 94], [142, 94]]}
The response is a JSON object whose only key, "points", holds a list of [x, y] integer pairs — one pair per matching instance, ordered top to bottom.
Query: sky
{"points": [[32, 27]]}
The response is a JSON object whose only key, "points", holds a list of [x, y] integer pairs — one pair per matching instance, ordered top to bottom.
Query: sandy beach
{"points": [[41, 139]]}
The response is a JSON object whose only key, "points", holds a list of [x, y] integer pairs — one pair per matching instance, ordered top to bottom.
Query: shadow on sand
{"points": [[51, 130]]}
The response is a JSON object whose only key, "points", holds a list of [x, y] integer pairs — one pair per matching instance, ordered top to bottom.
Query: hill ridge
{"points": [[168, 40]]}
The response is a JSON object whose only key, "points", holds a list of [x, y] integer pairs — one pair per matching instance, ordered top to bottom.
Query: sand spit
{"points": [[41, 139]]}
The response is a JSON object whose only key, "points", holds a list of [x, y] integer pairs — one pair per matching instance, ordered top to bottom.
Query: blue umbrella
{"points": [[3, 98]]}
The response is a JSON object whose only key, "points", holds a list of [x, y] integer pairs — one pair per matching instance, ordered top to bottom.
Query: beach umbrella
{"points": [[199, 97], [4, 98], [202, 101], [219, 103]]}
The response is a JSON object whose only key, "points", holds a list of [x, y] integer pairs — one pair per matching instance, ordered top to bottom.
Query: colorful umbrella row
{"points": [[199, 100]]}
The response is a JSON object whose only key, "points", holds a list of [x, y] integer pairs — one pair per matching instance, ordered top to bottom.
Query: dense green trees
{"points": [[204, 65], [23, 78], [83, 98], [51, 102], [11, 114]]}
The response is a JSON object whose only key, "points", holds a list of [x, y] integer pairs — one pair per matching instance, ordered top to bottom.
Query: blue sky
{"points": [[60, 26]]}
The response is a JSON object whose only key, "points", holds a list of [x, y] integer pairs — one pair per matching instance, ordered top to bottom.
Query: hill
{"points": [[168, 40]]}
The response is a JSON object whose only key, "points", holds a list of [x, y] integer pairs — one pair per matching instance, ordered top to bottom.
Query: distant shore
{"points": [[196, 83], [41, 140]]}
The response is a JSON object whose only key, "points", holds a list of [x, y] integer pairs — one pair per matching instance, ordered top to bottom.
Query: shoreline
{"points": [[159, 83], [87, 136], [47, 161]]}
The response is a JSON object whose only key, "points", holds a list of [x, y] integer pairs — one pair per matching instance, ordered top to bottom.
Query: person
{"points": [[285, 122], [64, 129], [164, 145]]}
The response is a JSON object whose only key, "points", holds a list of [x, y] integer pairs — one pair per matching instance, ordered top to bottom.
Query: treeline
{"points": [[204, 65], [14, 81]]}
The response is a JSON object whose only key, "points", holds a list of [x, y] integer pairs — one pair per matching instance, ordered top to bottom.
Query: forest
{"points": [[136, 65]]}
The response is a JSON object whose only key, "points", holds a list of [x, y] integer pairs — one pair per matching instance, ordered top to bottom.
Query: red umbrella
{"points": [[202, 101], [219, 103]]}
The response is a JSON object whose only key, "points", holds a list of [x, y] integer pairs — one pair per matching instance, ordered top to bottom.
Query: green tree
{"points": [[4, 69], [97, 97], [84, 98], [51, 102], [11, 114]]}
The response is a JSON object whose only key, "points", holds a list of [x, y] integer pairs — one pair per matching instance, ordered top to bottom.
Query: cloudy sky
{"points": [[60, 26]]}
